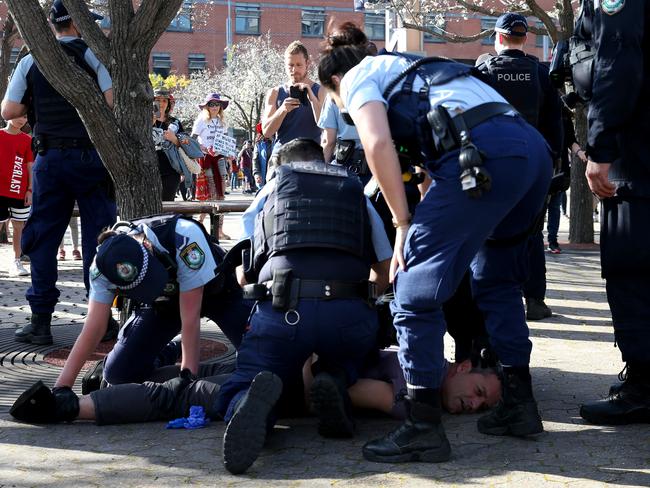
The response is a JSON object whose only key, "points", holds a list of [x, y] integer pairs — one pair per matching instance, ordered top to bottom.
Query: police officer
{"points": [[524, 82], [67, 169], [490, 171], [618, 172], [316, 238], [167, 266]]}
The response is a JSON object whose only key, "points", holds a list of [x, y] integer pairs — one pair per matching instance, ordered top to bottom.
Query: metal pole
{"points": [[229, 27]]}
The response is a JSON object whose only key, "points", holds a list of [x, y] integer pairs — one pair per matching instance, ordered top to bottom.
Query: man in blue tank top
{"points": [[292, 110]]}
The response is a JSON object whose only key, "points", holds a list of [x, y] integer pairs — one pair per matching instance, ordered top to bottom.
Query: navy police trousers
{"points": [[61, 177], [447, 236], [149, 329], [341, 332]]}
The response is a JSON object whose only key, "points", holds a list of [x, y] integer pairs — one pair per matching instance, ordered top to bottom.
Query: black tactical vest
{"points": [[516, 78], [408, 109], [49, 112], [313, 205]]}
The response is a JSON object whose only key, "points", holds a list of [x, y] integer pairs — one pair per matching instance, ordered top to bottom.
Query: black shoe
{"points": [[536, 309], [37, 331], [111, 331], [92, 380], [627, 403], [40, 405], [331, 405], [516, 414], [245, 434], [421, 438]]}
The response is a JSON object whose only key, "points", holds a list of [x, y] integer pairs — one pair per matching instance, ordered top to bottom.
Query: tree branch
{"points": [[546, 19], [151, 20], [90, 31], [449, 36]]}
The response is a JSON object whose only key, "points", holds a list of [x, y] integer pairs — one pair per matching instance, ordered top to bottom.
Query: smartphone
{"points": [[295, 92], [156, 109]]}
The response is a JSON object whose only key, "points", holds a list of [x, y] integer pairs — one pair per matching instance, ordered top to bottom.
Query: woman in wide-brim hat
{"points": [[208, 125]]}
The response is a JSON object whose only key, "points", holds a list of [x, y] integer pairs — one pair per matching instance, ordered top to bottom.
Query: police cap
{"points": [[59, 14], [512, 24]]}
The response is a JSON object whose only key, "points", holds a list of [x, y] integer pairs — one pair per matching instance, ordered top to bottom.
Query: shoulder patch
{"points": [[611, 7], [193, 256], [94, 272]]}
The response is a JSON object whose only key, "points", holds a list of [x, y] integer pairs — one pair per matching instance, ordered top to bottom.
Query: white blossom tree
{"points": [[253, 67]]}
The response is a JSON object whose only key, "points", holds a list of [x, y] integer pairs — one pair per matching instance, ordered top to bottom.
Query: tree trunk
{"points": [[9, 33], [581, 226]]}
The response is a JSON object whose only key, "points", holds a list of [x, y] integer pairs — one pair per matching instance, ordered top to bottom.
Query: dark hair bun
{"points": [[346, 34]]}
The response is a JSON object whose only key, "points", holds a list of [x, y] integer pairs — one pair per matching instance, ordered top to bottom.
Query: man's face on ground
{"points": [[296, 66], [465, 392]]}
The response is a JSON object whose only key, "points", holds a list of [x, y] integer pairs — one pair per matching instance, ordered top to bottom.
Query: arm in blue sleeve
{"points": [[618, 75], [103, 77], [18, 83], [248, 218], [380, 242]]}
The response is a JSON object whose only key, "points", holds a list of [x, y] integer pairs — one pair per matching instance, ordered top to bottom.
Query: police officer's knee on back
{"points": [[315, 239]]}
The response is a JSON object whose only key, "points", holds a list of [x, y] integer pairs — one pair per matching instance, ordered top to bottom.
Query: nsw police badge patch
{"points": [[611, 7], [193, 256], [127, 271], [94, 272]]}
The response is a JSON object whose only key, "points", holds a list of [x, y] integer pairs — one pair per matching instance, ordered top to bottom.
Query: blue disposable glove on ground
{"points": [[196, 420]]}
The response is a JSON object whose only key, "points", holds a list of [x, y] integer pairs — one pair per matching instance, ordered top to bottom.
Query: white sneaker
{"points": [[18, 269]]}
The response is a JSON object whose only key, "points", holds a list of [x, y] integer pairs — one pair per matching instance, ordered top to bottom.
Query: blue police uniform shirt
{"points": [[367, 81], [18, 83], [330, 118], [187, 233], [380, 241]]}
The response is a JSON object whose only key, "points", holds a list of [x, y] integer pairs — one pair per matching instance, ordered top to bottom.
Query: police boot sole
{"points": [[39, 340], [92, 380], [34, 404], [329, 406], [636, 416], [517, 429], [245, 434], [438, 455]]}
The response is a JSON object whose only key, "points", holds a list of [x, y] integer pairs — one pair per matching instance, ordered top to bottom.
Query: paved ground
{"points": [[574, 360]]}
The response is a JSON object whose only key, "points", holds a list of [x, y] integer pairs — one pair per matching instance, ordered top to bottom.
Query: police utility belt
{"points": [[453, 133], [41, 143], [285, 291]]}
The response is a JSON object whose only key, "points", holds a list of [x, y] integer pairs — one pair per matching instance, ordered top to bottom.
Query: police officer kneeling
{"points": [[316, 238], [167, 266]]}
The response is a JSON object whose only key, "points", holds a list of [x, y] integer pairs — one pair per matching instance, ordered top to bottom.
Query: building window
{"points": [[247, 18], [183, 21], [313, 22], [488, 24], [375, 26], [435, 26], [539, 38], [15, 51], [195, 62], [161, 63]]}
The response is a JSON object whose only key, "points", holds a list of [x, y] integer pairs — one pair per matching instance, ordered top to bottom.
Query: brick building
{"points": [[197, 41]]}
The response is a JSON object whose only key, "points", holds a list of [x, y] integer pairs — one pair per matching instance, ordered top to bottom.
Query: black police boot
{"points": [[536, 309], [37, 331], [111, 331], [93, 378], [628, 403], [331, 404], [40, 405], [516, 414], [245, 434], [421, 438]]}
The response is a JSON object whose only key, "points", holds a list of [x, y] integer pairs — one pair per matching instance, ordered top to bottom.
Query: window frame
{"points": [[244, 11], [313, 14]]}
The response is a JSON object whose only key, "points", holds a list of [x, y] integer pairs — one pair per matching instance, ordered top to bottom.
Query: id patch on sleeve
{"points": [[611, 7], [193, 256]]}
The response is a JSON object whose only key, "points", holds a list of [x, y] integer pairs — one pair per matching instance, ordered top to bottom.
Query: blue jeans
{"points": [[61, 177], [553, 224], [447, 236], [341, 332]]}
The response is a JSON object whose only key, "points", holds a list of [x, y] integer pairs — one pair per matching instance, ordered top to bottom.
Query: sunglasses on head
{"points": [[214, 104]]}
